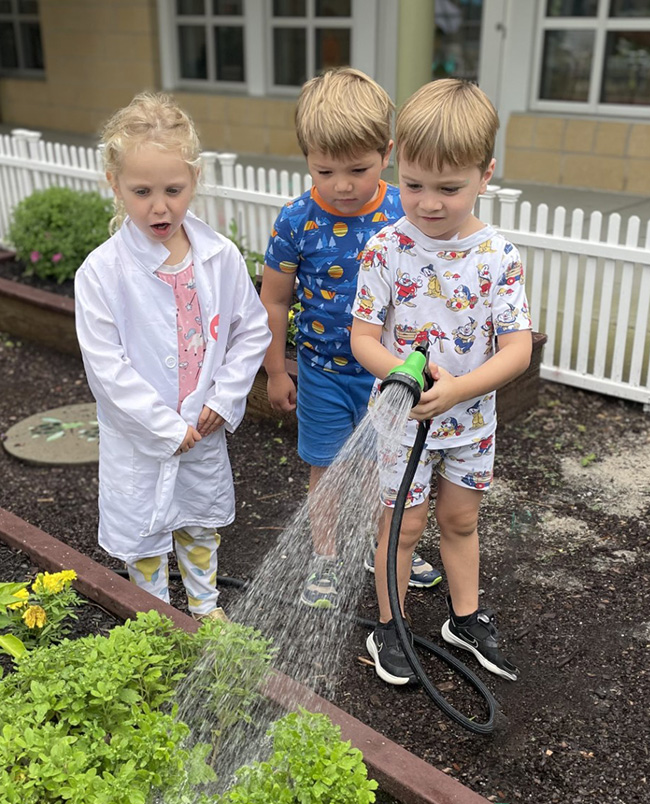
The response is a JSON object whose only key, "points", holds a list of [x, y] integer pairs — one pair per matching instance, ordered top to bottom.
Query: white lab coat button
{"points": [[170, 362]]}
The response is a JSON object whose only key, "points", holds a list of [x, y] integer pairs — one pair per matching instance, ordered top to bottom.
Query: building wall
{"points": [[100, 53], [97, 55], [245, 125], [578, 152]]}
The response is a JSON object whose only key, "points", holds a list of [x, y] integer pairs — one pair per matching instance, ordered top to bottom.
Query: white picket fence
{"points": [[588, 283]]}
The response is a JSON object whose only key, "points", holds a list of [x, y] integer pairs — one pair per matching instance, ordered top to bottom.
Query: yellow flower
{"points": [[53, 583], [23, 597], [35, 617]]}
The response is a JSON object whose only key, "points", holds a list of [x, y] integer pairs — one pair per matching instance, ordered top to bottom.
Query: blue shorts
{"points": [[329, 406]]}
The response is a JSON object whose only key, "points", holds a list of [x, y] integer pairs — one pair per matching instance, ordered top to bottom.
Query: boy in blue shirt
{"points": [[343, 125]]}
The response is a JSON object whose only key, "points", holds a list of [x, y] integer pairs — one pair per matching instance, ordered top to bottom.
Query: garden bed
{"points": [[565, 563]]}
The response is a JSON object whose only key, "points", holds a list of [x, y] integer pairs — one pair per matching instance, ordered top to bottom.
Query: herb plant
{"points": [[96, 720], [310, 764]]}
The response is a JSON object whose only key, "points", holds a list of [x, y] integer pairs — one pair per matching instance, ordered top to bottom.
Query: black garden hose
{"points": [[391, 569]]}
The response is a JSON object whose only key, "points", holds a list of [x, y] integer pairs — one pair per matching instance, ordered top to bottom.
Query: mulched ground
{"points": [[565, 565]]}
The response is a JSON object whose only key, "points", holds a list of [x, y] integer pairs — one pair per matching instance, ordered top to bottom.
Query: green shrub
{"points": [[54, 230], [310, 764]]}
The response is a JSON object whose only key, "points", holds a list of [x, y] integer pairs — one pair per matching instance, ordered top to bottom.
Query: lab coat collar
{"points": [[204, 241]]}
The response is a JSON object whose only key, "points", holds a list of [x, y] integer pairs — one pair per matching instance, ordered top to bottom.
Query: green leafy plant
{"points": [[54, 230], [253, 259], [36, 616], [236, 660], [95, 719], [310, 764]]}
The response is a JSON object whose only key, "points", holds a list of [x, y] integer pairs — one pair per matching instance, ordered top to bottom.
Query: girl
{"points": [[172, 334]]}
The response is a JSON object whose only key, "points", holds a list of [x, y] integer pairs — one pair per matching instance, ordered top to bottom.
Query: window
{"points": [[309, 36], [210, 41], [271, 47], [21, 51], [594, 56]]}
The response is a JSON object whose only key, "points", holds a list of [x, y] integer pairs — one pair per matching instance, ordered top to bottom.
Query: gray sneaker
{"points": [[423, 575], [320, 590]]}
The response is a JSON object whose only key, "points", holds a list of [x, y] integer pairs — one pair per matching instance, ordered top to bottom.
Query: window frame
{"points": [[16, 17], [209, 22], [309, 22], [601, 25], [366, 27]]}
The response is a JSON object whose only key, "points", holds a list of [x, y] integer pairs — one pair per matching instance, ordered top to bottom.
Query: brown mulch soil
{"points": [[565, 565]]}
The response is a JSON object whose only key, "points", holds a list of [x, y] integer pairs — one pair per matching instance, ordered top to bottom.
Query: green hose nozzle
{"points": [[413, 373]]}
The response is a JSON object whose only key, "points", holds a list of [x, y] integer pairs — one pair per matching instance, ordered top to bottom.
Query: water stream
{"points": [[308, 642]]}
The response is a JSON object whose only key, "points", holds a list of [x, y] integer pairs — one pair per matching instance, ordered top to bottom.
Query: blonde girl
{"points": [[172, 333]]}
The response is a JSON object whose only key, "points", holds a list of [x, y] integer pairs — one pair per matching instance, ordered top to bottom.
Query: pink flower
{"points": [[35, 256], [57, 257]]}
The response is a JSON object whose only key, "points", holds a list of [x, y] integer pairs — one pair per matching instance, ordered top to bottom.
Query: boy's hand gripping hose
{"points": [[414, 374]]}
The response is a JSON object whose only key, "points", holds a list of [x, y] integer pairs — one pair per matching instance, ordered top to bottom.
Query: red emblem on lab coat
{"points": [[214, 327]]}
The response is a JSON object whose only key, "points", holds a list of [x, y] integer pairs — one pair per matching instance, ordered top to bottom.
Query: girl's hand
{"points": [[438, 399], [209, 421], [192, 437]]}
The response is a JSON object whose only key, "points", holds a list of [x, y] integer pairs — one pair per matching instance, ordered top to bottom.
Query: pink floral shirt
{"points": [[191, 344]]}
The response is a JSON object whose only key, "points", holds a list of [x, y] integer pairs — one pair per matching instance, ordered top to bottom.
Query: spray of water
{"points": [[308, 642]]}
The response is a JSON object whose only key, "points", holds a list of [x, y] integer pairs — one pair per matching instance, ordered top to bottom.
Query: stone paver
{"points": [[60, 436]]}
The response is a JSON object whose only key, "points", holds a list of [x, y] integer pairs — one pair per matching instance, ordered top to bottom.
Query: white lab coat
{"points": [[126, 325]]}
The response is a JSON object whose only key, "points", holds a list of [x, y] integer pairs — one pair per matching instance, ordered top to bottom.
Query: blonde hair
{"points": [[343, 113], [150, 119], [447, 122]]}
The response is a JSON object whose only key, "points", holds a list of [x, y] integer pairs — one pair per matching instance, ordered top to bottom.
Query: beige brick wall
{"points": [[100, 53], [578, 152]]}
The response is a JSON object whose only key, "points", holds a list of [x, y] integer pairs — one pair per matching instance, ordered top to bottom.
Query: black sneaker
{"points": [[479, 636], [391, 664]]}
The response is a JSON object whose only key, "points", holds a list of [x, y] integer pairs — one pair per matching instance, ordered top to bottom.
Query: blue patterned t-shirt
{"points": [[322, 248]]}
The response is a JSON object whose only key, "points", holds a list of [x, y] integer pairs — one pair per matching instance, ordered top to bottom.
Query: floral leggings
{"points": [[196, 553]]}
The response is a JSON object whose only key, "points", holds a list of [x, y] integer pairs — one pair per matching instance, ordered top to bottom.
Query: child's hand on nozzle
{"points": [[439, 398], [209, 421], [192, 437]]}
